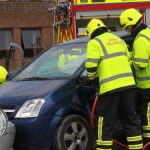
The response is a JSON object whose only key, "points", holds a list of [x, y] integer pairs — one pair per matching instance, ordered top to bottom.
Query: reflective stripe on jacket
{"points": [[109, 55], [141, 58]]}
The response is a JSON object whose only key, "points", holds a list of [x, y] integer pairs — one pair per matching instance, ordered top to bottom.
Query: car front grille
{"points": [[8, 109]]}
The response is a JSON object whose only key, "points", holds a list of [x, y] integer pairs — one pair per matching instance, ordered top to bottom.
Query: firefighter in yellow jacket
{"points": [[130, 20], [66, 58], [107, 61], [3, 74]]}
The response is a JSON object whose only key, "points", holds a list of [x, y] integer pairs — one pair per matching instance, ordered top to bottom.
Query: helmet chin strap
{"points": [[134, 28]]}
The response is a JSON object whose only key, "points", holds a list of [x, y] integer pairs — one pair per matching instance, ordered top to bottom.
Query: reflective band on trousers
{"points": [[148, 114], [100, 124], [146, 127], [146, 135], [134, 138], [104, 142], [135, 142], [138, 146], [103, 149]]}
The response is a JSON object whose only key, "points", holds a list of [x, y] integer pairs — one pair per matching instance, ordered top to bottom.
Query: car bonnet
{"points": [[17, 93]]}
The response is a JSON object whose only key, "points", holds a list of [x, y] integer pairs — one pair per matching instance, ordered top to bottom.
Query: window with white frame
{"points": [[5, 39], [31, 42]]}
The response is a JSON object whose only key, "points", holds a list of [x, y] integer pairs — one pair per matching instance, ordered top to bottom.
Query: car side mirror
{"points": [[10, 74]]}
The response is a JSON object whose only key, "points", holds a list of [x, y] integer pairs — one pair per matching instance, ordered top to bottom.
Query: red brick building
{"points": [[29, 24]]}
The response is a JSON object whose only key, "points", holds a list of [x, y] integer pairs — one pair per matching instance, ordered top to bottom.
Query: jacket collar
{"points": [[138, 29]]}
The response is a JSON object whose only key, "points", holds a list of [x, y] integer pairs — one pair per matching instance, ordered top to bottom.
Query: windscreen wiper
{"points": [[34, 78]]}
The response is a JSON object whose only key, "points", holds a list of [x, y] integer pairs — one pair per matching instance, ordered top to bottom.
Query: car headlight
{"points": [[30, 108]]}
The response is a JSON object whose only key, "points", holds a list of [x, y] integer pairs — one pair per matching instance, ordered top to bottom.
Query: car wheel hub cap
{"points": [[76, 136]]}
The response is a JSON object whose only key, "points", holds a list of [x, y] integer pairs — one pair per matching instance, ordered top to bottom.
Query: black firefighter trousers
{"points": [[144, 96], [123, 103]]}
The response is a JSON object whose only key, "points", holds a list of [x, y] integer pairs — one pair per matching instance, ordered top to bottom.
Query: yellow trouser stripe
{"points": [[148, 114], [100, 124], [146, 127], [147, 135], [134, 138], [104, 142], [137, 146], [102, 149]]}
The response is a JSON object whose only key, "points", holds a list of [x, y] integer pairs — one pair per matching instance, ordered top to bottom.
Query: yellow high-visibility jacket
{"points": [[107, 57], [65, 58], [141, 58], [3, 74]]}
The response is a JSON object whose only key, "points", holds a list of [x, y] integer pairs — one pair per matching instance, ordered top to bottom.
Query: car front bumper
{"points": [[34, 133], [7, 140]]}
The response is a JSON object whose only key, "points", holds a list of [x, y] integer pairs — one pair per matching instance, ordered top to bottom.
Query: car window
{"points": [[57, 62], [71, 67], [84, 74]]}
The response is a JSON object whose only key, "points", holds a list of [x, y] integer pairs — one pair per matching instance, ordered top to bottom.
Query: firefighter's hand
{"points": [[95, 83]]}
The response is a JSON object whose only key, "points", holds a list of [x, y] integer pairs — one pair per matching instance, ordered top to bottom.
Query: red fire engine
{"points": [[72, 16]]}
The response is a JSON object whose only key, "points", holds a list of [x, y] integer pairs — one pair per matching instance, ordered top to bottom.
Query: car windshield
{"points": [[56, 63]]}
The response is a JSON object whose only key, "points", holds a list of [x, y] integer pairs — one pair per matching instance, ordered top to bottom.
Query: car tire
{"points": [[73, 133]]}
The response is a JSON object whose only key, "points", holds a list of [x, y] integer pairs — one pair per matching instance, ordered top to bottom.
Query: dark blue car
{"points": [[50, 104]]}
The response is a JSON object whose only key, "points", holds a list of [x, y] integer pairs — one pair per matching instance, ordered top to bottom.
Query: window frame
{"points": [[10, 39], [35, 50]]}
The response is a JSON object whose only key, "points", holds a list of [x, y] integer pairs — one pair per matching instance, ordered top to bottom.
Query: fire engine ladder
{"points": [[61, 23]]}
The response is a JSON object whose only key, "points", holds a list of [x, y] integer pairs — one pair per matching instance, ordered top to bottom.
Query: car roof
{"points": [[122, 34]]}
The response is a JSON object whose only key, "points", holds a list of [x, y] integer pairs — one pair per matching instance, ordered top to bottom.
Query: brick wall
{"points": [[17, 15]]}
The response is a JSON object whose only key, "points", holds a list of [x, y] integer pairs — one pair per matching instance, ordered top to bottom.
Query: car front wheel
{"points": [[74, 133]]}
